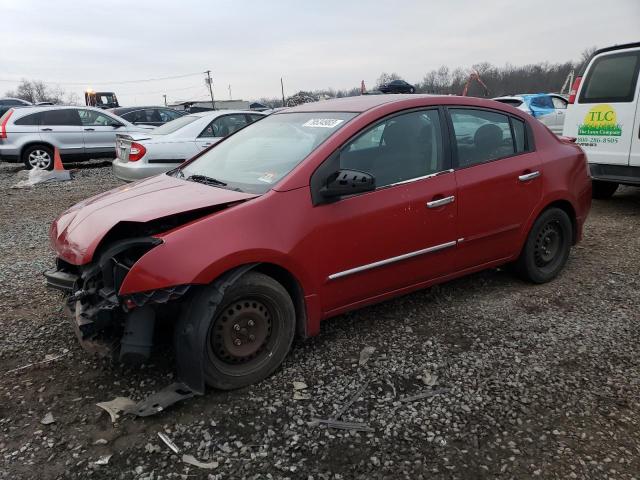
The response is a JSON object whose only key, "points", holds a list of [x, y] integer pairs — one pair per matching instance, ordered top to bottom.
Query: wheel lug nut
{"points": [[250, 323], [236, 327], [237, 342]]}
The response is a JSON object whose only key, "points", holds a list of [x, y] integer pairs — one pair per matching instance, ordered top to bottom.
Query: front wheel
{"points": [[603, 190], [547, 247], [250, 332]]}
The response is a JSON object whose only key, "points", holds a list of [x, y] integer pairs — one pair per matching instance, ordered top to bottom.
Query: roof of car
{"points": [[617, 47], [358, 103], [28, 109], [131, 109], [215, 113]]}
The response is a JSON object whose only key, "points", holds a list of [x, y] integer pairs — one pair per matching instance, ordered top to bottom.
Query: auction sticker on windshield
{"points": [[322, 123]]}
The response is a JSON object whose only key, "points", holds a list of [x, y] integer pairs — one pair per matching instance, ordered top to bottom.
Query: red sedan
{"points": [[309, 213]]}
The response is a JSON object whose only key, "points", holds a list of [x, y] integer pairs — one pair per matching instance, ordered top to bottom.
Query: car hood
{"points": [[76, 234]]}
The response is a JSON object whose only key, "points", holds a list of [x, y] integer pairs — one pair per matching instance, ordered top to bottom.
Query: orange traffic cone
{"points": [[57, 161]]}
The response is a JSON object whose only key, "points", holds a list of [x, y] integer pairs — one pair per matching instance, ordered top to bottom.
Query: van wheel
{"points": [[38, 156], [603, 190], [547, 247], [249, 334]]}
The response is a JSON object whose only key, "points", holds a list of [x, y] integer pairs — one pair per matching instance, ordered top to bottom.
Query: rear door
{"points": [[560, 107], [603, 116], [63, 129], [99, 133], [499, 183]]}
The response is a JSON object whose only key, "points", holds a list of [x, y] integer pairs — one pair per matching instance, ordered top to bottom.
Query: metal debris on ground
{"points": [[365, 354], [47, 358], [429, 378], [298, 391], [420, 396], [160, 400], [350, 402], [115, 406], [48, 419], [356, 426], [168, 442], [103, 460], [191, 460]]}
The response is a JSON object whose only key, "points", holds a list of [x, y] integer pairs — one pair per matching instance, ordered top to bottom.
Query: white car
{"points": [[549, 108], [604, 117], [144, 155]]}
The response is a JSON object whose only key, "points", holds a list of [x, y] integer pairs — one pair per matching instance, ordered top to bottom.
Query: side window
{"points": [[611, 78], [559, 103], [167, 115], [66, 116], [137, 116], [91, 118], [33, 119], [225, 125], [481, 136], [520, 136], [397, 149]]}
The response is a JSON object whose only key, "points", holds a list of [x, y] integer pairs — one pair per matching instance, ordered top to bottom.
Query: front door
{"points": [[99, 133], [499, 184], [399, 235]]}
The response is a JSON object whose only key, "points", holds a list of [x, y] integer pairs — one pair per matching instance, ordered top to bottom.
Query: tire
{"points": [[412, 90], [38, 156], [603, 190], [547, 248], [262, 345]]}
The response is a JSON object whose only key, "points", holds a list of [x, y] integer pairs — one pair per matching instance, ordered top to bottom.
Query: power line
{"points": [[113, 82]]}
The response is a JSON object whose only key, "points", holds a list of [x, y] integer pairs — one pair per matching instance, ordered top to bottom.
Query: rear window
{"points": [[611, 78], [33, 119], [176, 124]]}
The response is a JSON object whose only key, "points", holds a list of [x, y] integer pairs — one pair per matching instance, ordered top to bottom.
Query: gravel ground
{"points": [[513, 380]]}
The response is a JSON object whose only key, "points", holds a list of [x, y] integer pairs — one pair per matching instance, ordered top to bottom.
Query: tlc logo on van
{"points": [[601, 120]]}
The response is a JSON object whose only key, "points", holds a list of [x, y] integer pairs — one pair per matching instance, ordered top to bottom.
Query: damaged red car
{"points": [[309, 213]]}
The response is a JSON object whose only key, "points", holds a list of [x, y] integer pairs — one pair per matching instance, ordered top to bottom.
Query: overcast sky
{"points": [[251, 44]]}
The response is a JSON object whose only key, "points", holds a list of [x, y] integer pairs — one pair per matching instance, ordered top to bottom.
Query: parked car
{"points": [[397, 86], [7, 103], [549, 108], [155, 116], [604, 117], [29, 135], [141, 155], [312, 212]]}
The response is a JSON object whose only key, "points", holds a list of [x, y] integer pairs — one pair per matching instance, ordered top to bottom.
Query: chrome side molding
{"points": [[387, 261]]}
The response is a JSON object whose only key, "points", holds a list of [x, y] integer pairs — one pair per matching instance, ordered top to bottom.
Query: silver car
{"points": [[29, 134], [142, 155]]}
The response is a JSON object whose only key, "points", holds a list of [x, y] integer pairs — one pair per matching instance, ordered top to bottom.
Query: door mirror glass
{"points": [[347, 182]]}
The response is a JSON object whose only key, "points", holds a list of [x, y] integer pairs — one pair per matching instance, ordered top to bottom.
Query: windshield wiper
{"points": [[206, 180]]}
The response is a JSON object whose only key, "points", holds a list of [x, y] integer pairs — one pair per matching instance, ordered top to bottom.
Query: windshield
{"points": [[174, 125], [258, 156]]}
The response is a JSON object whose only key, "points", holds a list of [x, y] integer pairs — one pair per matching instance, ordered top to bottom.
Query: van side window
{"points": [[611, 78], [481, 136], [397, 149]]}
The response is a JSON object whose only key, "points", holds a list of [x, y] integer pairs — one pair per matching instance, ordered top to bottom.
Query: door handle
{"points": [[47, 129], [89, 129], [529, 176], [441, 201]]}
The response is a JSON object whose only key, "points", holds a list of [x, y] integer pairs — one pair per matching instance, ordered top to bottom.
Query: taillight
{"points": [[574, 90], [3, 126], [137, 152]]}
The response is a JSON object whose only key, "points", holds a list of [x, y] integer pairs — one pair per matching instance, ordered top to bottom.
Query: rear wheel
{"points": [[38, 156], [603, 190], [547, 247], [250, 333]]}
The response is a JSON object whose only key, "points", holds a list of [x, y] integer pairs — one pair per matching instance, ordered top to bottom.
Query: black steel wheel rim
{"points": [[548, 244]]}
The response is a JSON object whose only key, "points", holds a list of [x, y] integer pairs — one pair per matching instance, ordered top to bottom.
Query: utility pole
{"points": [[209, 82], [282, 87], [230, 97], [165, 99]]}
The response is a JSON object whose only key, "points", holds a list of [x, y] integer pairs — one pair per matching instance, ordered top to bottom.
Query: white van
{"points": [[604, 117]]}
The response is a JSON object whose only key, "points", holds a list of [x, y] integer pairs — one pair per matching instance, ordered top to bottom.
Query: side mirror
{"points": [[116, 125], [347, 182]]}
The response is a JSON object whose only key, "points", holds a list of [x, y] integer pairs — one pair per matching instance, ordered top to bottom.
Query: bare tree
{"points": [[386, 78], [35, 91]]}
